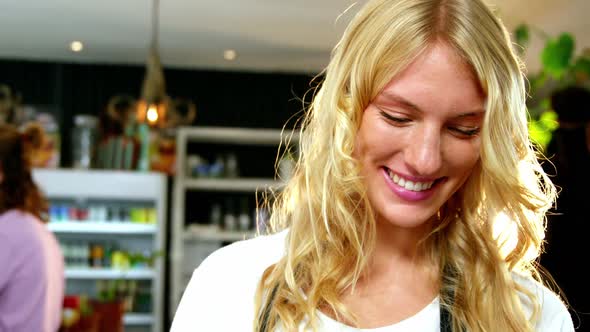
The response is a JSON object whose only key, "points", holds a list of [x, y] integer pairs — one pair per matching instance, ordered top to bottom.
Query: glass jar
{"points": [[83, 140]]}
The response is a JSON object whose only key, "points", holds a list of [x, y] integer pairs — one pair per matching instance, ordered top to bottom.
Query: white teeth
{"points": [[409, 185]]}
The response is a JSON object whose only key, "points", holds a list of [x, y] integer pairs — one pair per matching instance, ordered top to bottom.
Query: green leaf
{"points": [[522, 35], [557, 55], [582, 67], [537, 81], [546, 105], [549, 120], [542, 130], [539, 136]]}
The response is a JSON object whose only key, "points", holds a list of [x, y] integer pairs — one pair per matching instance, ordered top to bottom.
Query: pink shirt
{"points": [[31, 275]]}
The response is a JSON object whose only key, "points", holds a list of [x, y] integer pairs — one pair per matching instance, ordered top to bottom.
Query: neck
{"points": [[400, 243], [401, 250], [398, 268]]}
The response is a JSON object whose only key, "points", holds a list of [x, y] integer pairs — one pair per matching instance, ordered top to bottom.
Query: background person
{"points": [[31, 263]]}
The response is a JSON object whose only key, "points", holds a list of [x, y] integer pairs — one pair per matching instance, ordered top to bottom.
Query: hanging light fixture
{"points": [[154, 103]]}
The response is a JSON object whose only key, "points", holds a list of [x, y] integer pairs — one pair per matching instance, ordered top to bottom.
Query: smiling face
{"points": [[419, 138]]}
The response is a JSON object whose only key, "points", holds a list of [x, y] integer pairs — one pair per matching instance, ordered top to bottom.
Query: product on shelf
{"points": [[83, 141], [224, 166], [231, 166], [81, 211], [215, 217], [229, 218], [244, 223], [76, 253], [79, 254], [96, 255], [131, 293], [84, 314], [78, 315]]}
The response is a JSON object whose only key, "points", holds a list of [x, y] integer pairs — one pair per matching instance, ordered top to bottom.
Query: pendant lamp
{"points": [[154, 102]]}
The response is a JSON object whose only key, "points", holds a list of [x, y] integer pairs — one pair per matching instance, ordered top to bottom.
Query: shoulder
{"points": [[19, 227], [23, 227], [27, 246], [248, 256], [226, 282], [553, 315]]}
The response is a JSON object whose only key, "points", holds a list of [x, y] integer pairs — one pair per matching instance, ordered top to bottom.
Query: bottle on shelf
{"points": [[83, 141], [195, 165], [231, 166], [216, 170], [215, 218], [244, 218], [229, 219], [108, 253], [96, 255]]}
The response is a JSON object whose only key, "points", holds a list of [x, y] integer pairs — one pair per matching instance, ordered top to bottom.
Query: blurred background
{"points": [[162, 121]]}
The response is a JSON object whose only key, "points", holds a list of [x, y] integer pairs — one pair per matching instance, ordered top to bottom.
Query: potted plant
{"points": [[560, 68], [78, 315]]}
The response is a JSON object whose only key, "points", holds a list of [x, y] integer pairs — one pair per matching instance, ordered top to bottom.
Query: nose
{"points": [[423, 153]]}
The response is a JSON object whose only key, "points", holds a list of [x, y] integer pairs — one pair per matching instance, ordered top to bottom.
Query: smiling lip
{"points": [[406, 194]]}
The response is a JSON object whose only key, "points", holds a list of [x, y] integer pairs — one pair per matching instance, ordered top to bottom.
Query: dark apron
{"points": [[445, 316]]}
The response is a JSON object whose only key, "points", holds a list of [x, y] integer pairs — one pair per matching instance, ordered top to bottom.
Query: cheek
{"points": [[362, 139], [368, 146], [358, 147], [463, 159]]}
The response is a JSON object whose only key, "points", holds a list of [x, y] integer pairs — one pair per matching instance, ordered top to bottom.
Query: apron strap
{"points": [[266, 311], [445, 320]]}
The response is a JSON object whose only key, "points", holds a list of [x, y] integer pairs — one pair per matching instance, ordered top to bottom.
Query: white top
{"points": [[220, 295]]}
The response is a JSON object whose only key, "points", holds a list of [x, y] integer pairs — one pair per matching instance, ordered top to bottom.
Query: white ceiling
{"points": [[268, 35]]}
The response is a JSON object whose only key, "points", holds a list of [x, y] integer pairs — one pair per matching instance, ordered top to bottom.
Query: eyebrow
{"points": [[408, 104]]}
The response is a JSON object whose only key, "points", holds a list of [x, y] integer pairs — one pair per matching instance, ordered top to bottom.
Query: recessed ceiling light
{"points": [[76, 46], [229, 55]]}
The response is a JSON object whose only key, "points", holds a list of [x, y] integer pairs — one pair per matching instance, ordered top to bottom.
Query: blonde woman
{"points": [[414, 153]]}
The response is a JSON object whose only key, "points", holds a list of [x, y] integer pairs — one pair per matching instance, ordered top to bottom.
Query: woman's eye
{"points": [[394, 118], [465, 131]]}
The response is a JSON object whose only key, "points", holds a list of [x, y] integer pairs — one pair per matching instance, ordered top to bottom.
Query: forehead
{"points": [[439, 78]]}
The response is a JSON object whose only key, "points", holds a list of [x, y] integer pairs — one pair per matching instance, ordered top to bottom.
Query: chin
{"points": [[406, 219]]}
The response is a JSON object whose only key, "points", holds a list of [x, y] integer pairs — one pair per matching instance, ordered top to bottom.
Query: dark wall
{"points": [[234, 99]]}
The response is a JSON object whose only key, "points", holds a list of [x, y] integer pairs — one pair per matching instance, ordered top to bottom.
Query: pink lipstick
{"points": [[406, 194]]}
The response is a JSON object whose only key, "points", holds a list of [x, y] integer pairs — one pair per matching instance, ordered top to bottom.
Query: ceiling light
{"points": [[76, 46], [229, 55]]}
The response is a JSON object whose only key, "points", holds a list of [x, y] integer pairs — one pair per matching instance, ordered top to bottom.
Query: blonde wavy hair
{"points": [[324, 205]]}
